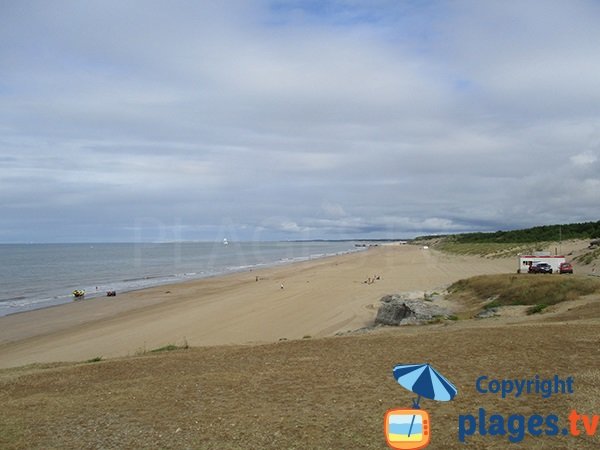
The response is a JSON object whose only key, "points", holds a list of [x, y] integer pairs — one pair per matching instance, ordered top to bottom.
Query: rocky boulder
{"points": [[399, 310], [487, 313]]}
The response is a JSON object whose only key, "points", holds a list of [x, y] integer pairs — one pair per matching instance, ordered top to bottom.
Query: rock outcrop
{"points": [[399, 310], [487, 313]]}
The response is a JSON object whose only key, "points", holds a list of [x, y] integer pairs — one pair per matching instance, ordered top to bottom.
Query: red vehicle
{"points": [[565, 268]]}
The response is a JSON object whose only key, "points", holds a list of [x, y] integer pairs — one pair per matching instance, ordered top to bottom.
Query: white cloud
{"points": [[584, 159], [334, 210]]}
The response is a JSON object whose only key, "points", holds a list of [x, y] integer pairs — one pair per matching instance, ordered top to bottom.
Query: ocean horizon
{"points": [[35, 276]]}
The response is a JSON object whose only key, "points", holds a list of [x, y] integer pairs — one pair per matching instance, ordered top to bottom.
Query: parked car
{"points": [[540, 268], [565, 268]]}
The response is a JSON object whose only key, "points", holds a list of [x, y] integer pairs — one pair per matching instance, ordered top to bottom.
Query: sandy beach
{"points": [[319, 298]]}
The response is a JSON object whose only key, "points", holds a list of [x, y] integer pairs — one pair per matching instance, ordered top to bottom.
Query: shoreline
{"points": [[258, 267], [165, 280], [191, 282], [320, 297]]}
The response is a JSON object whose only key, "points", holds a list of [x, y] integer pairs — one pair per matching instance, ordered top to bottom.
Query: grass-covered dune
{"points": [[501, 244], [488, 249], [523, 289]]}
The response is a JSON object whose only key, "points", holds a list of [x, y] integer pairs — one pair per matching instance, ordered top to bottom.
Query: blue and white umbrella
{"points": [[425, 381]]}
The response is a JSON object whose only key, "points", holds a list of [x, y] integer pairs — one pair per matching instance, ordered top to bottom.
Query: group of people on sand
{"points": [[371, 280], [281, 286]]}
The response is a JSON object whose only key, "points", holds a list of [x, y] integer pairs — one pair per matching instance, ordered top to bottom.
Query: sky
{"points": [[264, 120]]}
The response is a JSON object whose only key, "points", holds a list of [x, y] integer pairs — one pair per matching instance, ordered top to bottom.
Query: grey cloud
{"points": [[284, 120]]}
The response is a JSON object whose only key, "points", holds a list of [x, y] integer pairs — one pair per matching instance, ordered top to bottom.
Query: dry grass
{"points": [[588, 257], [524, 289], [307, 394]]}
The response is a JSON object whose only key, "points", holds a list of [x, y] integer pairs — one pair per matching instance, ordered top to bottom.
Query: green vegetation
{"points": [[586, 230], [545, 233], [501, 244], [489, 249], [508, 289], [428, 297], [492, 304], [536, 309], [441, 319], [166, 348], [170, 348], [93, 360]]}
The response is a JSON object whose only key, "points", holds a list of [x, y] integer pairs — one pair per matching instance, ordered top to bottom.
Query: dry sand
{"points": [[320, 298]]}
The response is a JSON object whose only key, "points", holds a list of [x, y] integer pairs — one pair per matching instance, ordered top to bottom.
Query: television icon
{"points": [[407, 429]]}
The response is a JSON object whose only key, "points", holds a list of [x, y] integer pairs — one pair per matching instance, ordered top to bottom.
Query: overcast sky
{"points": [[198, 120]]}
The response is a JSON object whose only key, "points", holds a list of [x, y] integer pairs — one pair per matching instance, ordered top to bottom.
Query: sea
{"points": [[34, 276]]}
